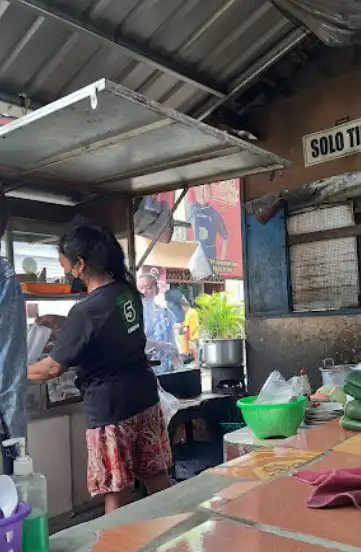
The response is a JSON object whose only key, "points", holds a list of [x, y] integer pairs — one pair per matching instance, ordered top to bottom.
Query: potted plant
{"points": [[222, 328]]}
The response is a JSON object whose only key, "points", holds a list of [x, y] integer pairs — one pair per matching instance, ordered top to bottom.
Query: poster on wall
{"points": [[168, 197], [214, 212]]}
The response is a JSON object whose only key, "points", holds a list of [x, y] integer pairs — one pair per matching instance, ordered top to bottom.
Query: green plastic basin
{"points": [[273, 420]]}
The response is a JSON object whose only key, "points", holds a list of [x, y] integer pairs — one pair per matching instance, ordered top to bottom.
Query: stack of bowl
{"points": [[320, 413]]}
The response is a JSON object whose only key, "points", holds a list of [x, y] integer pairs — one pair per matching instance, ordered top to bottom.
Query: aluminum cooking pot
{"points": [[220, 353], [335, 374]]}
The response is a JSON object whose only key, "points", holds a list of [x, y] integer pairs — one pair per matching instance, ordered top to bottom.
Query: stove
{"points": [[229, 380]]}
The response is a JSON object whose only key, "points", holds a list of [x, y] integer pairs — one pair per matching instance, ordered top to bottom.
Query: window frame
{"points": [[353, 311]]}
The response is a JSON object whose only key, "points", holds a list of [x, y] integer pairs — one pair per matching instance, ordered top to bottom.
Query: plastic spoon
{"points": [[8, 496]]}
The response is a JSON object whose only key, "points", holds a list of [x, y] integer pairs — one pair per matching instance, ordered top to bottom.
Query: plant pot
{"points": [[223, 352]]}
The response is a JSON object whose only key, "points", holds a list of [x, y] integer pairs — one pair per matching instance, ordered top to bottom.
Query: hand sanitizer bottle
{"points": [[32, 490]]}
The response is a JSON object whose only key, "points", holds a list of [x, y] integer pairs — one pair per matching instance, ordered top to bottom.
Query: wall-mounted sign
{"points": [[336, 142]]}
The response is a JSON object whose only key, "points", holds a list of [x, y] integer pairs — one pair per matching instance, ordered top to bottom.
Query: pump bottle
{"points": [[306, 387], [32, 490]]}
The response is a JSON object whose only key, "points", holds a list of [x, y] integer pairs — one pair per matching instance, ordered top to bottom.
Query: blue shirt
{"points": [[207, 223], [173, 298], [159, 325], [13, 354]]}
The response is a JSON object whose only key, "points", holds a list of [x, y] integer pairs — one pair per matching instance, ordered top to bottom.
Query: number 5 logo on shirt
{"points": [[130, 313]]}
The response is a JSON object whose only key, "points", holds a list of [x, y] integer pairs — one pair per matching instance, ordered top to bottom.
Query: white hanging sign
{"points": [[336, 142]]}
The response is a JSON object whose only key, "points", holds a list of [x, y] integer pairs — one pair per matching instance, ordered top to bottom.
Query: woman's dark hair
{"points": [[99, 249]]}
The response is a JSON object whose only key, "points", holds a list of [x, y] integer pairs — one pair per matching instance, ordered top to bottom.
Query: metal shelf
{"points": [[127, 144], [60, 297]]}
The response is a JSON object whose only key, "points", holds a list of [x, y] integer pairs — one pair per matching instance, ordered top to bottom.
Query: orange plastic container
{"points": [[45, 289]]}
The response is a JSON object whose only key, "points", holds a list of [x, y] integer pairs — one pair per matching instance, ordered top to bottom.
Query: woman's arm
{"points": [[161, 345], [68, 348], [45, 369]]}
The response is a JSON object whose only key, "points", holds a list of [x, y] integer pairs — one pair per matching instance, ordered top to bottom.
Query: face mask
{"points": [[77, 285]]}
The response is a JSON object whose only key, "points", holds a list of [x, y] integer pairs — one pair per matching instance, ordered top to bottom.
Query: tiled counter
{"points": [[257, 507]]}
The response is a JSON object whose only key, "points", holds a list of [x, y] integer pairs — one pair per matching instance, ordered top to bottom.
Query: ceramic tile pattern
{"points": [[319, 439], [351, 446], [336, 461], [264, 464], [229, 493], [281, 503], [277, 506], [214, 536], [128, 538]]}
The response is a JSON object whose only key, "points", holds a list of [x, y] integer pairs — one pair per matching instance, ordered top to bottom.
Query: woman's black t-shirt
{"points": [[104, 339]]}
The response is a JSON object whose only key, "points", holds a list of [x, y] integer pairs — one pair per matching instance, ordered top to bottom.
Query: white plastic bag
{"points": [[199, 265], [37, 338], [63, 387], [277, 390], [169, 404]]}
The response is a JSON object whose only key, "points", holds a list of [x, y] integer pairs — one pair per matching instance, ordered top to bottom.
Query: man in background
{"points": [[207, 223], [159, 325], [191, 327], [13, 350]]}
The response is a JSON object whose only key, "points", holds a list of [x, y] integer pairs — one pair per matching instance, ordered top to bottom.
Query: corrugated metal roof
{"points": [[178, 52]]}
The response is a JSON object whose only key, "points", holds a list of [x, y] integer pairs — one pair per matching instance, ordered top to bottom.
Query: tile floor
{"points": [[264, 509]]}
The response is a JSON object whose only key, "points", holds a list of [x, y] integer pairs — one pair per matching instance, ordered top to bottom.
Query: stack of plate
{"points": [[320, 413]]}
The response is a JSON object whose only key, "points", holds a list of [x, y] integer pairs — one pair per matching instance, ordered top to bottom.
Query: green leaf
{"points": [[219, 318]]}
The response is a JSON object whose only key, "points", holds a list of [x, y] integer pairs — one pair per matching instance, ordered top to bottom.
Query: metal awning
{"points": [[107, 137]]}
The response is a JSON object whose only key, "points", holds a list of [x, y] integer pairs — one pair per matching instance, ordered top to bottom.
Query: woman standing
{"points": [[159, 325], [104, 339]]}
